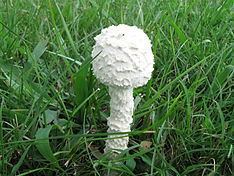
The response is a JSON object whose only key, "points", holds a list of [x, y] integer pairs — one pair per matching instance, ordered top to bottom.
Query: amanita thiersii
{"points": [[124, 60]]}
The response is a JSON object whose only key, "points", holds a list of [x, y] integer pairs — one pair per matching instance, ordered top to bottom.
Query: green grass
{"points": [[53, 111]]}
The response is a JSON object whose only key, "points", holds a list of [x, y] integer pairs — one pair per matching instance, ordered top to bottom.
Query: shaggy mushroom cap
{"points": [[123, 56]]}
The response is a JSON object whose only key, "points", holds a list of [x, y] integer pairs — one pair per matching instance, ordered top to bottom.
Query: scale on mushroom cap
{"points": [[124, 60]]}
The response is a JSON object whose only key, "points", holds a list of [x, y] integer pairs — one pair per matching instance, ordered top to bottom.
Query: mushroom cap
{"points": [[123, 56]]}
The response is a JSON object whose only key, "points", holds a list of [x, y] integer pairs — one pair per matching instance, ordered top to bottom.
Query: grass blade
{"points": [[43, 146], [20, 162]]}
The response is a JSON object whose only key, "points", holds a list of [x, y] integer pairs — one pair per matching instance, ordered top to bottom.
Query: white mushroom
{"points": [[124, 60]]}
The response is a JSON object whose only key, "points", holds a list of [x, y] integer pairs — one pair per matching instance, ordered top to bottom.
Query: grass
{"points": [[53, 111]]}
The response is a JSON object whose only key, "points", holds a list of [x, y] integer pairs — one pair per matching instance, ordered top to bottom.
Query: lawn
{"points": [[53, 110]]}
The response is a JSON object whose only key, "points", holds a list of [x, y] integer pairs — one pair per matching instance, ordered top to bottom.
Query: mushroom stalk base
{"points": [[121, 111]]}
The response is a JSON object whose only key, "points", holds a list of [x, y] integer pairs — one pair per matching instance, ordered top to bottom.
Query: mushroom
{"points": [[124, 60]]}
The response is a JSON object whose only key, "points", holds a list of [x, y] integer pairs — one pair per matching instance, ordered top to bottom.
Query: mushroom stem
{"points": [[121, 111]]}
